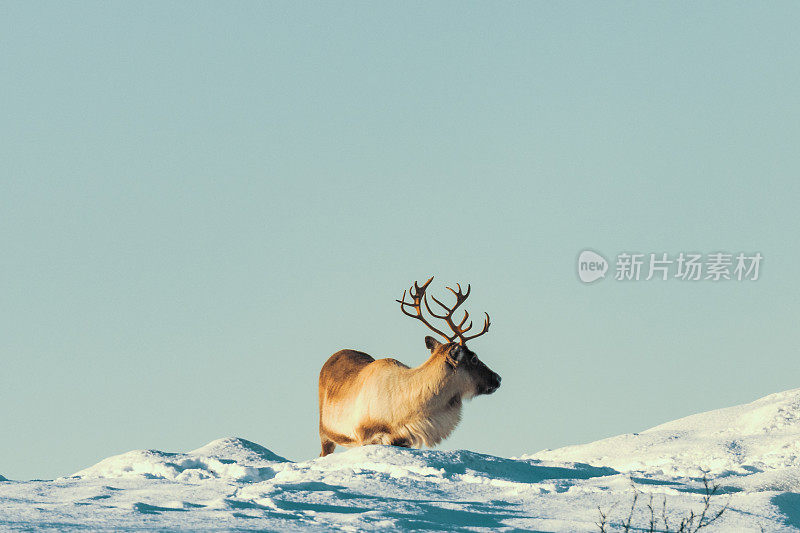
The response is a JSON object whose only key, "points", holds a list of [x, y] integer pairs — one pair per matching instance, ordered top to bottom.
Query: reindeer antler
{"points": [[418, 294]]}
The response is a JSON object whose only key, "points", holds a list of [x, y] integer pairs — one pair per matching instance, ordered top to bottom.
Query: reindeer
{"points": [[367, 401]]}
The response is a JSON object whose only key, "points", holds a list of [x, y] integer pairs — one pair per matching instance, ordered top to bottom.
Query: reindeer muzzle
{"points": [[494, 384]]}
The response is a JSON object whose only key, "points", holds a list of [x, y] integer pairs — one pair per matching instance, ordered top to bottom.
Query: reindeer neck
{"points": [[427, 380]]}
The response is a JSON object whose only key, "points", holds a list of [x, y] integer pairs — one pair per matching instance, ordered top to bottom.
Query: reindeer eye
{"points": [[474, 360]]}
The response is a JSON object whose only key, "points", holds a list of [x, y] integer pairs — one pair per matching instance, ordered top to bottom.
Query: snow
{"points": [[755, 437], [751, 451], [235, 459]]}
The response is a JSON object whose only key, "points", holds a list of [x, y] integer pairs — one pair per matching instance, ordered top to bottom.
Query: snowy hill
{"points": [[758, 436], [751, 451], [234, 459]]}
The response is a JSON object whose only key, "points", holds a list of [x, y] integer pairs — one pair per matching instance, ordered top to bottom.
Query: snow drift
{"points": [[758, 436], [751, 451], [233, 459]]}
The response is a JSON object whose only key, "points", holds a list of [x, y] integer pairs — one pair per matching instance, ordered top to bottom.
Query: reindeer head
{"points": [[455, 353]]}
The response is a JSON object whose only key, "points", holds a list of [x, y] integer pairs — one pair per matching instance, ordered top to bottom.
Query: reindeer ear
{"points": [[431, 343]]}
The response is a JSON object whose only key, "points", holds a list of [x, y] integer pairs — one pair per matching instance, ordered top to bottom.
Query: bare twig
{"points": [[710, 491], [652, 515], [603, 522], [691, 523], [626, 525]]}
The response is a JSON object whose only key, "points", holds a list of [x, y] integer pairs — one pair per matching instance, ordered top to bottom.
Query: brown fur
{"points": [[367, 401]]}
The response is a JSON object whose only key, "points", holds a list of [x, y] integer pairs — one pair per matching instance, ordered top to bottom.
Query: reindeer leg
{"points": [[374, 433], [401, 442], [327, 447]]}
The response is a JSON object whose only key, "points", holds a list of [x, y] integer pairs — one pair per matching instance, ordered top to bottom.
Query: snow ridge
{"points": [[755, 437], [750, 450], [230, 458]]}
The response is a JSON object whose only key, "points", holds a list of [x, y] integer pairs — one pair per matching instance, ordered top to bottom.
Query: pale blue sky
{"points": [[202, 201]]}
